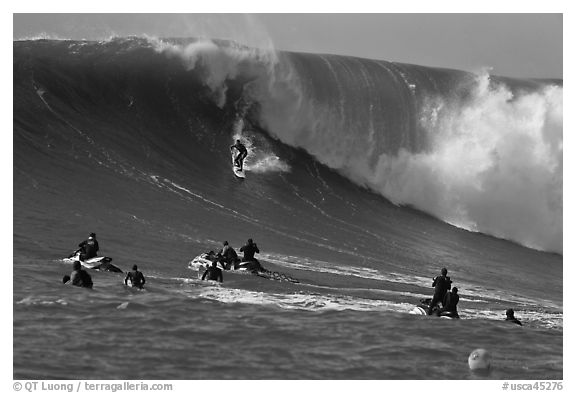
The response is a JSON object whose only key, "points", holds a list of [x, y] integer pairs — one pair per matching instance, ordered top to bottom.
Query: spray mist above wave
{"points": [[218, 63], [468, 149], [476, 154], [494, 165]]}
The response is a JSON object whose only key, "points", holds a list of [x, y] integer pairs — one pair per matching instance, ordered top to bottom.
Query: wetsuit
{"points": [[239, 160], [89, 249], [249, 250], [229, 256], [213, 273], [81, 278], [137, 279], [442, 285], [449, 302], [513, 320]]}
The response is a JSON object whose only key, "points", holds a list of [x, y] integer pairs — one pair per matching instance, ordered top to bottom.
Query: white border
{"points": [[229, 6]]}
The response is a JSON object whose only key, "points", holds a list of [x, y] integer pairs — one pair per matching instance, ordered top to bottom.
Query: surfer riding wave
{"points": [[242, 153]]}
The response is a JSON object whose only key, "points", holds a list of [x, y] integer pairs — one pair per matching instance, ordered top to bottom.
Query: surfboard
{"points": [[237, 171], [98, 263], [131, 286], [418, 311]]}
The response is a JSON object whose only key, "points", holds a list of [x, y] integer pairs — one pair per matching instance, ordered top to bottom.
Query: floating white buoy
{"points": [[479, 360]]}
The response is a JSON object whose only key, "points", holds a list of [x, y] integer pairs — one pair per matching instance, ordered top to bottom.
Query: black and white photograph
{"points": [[287, 196]]}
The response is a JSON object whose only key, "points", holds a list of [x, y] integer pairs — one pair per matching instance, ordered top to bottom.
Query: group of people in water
{"points": [[88, 250], [228, 258], [82, 278], [443, 296], [444, 301]]}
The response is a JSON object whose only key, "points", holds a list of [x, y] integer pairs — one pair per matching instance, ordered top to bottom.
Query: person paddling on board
{"points": [[242, 153], [89, 248], [249, 249], [228, 255], [213, 273], [79, 277], [135, 277], [441, 284], [449, 302], [511, 318]]}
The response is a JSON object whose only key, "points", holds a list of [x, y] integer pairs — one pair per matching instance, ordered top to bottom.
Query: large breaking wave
{"points": [[477, 151], [480, 152]]}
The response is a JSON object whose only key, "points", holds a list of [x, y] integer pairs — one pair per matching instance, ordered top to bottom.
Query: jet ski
{"points": [[204, 260], [96, 263], [422, 309]]}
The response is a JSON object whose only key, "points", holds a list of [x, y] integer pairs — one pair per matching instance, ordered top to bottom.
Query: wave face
{"points": [[469, 150], [480, 152]]}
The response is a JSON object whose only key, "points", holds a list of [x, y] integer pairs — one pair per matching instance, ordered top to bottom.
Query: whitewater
{"points": [[364, 179]]}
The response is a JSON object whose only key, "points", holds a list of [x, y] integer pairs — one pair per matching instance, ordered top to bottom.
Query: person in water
{"points": [[242, 153], [89, 248], [249, 249], [228, 255], [213, 273], [79, 277], [135, 277], [441, 284], [450, 301], [511, 318]]}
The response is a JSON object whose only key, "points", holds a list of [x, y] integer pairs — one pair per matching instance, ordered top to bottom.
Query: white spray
{"points": [[495, 165]]}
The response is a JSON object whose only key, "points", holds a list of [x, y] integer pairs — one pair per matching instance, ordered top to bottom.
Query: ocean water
{"points": [[364, 179]]}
